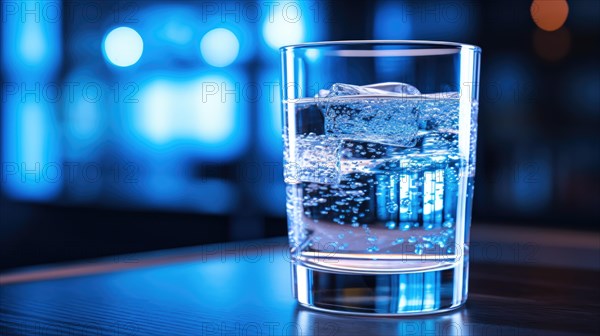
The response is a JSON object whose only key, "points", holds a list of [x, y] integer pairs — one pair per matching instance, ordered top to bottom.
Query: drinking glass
{"points": [[379, 161]]}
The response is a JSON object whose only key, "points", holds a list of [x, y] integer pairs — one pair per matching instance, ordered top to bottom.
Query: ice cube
{"points": [[395, 87], [340, 89], [386, 89], [443, 95], [372, 114], [382, 120], [314, 158]]}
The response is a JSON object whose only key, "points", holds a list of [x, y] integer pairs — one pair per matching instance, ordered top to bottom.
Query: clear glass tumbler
{"points": [[379, 162]]}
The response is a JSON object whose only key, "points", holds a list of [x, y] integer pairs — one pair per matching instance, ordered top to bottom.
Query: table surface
{"points": [[522, 282]]}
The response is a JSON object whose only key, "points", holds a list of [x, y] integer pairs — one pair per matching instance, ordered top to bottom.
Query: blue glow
{"points": [[392, 21], [175, 24], [286, 25], [178, 32], [173, 34], [31, 38], [33, 46], [123, 46], [219, 47], [31, 51], [313, 54], [188, 110], [203, 114], [84, 117], [213, 118], [154, 122], [270, 123], [31, 124], [30, 165], [167, 186], [272, 188], [214, 196], [272, 196]]}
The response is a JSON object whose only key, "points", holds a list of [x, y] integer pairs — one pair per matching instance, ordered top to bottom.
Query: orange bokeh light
{"points": [[549, 15]]}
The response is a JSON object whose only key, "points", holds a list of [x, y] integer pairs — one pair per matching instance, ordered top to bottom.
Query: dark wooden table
{"points": [[522, 282]]}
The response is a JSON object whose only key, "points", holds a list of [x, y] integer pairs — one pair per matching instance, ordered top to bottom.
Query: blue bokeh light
{"points": [[285, 27], [31, 38], [123, 46], [219, 47], [31, 51], [189, 110], [197, 114], [31, 167]]}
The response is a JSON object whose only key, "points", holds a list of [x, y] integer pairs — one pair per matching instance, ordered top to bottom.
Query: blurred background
{"points": [[129, 126]]}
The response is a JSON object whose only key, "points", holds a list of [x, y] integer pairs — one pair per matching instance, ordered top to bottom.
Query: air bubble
{"points": [[392, 207], [373, 249], [419, 249]]}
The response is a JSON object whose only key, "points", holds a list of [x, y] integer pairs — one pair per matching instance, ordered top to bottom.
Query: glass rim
{"points": [[424, 43]]}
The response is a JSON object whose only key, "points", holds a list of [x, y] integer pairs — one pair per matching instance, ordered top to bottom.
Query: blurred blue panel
{"points": [[392, 21], [292, 22], [173, 33], [31, 38], [31, 51], [85, 109], [269, 113], [201, 114], [85, 115], [31, 165], [164, 181], [167, 186], [271, 188], [272, 195], [214, 196]]}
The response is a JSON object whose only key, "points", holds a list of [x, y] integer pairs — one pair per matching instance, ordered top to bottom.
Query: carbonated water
{"points": [[377, 181]]}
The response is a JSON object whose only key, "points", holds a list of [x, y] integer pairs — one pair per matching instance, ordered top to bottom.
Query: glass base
{"points": [[381, 294]]}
